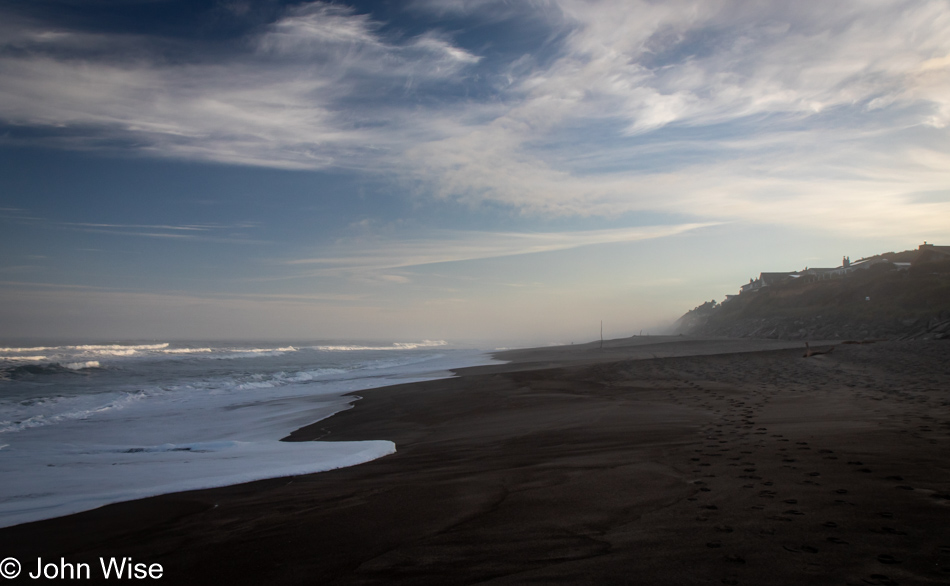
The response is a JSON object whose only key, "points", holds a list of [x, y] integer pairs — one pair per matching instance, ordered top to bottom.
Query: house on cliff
{"points": [[926, 253], [930, 253], [765, 280]]}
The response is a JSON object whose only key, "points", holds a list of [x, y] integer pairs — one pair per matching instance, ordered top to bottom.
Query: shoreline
{"points": [[140, 443], [576, 465]]}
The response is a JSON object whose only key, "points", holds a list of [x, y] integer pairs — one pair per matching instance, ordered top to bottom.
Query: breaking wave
{"points": [[394, 346]]}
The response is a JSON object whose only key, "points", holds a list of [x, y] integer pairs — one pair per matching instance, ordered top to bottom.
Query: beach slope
{"points": [[648, 461]]}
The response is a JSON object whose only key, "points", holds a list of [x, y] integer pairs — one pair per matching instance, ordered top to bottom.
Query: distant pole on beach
{"points": [[601, 334]]}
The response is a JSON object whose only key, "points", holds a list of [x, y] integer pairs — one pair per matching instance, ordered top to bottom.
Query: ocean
{"points": [[85, 425]]}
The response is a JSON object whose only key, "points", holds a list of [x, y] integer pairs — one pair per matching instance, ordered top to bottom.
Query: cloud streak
{"points": [[282, 104], [817, 113], [194, 232], [460, 246]]}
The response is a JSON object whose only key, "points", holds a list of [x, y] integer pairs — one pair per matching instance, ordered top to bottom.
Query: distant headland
{"points": [[894, 295]]}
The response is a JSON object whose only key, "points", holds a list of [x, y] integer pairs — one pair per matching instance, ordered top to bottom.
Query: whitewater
{"points": [[86, 425]]}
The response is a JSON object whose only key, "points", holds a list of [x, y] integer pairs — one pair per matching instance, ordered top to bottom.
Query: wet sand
{"points": [[650, 461]]}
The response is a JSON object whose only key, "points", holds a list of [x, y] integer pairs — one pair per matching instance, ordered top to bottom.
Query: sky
{"points": [[475, 171]]}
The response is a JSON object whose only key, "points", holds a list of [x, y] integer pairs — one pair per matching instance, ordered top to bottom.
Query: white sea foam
{"points": [[394, 346], [116, 347], [88, 348], [31, 349], [187, 350], [74, 353], [235, 353], [77, 354], [81, 365], [51, 411], [158, 422], [78, 479]]}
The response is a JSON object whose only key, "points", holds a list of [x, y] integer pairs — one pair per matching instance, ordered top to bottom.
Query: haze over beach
{"points": [[302, 292]]}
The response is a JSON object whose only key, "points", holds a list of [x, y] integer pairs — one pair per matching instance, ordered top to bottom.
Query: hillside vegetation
{"points": [[879, 302]]}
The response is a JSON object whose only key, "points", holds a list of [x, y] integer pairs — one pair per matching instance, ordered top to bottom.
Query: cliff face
{"points": [[880, 302]]}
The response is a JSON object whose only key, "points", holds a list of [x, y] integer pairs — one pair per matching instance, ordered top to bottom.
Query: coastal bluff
{"points": [[903, 295]]}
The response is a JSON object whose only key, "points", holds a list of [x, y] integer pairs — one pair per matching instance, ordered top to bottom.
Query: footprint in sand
{"points": [[837, 541], [886, 558], [879, 580]]}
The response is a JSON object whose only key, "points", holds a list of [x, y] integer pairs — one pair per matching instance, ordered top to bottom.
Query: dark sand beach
{"points": [[650, 461]]}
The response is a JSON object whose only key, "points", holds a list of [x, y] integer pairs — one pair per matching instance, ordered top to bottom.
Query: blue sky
{"points": [[506, 172]]}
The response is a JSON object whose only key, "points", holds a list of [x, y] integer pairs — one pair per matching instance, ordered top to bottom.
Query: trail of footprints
{"points": [[731, 447]]}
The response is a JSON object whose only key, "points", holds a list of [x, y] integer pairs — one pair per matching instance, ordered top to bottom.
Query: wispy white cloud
{"points": [[309, 28], [338, 35], [848, 100], [286, 103], [813, 113], [136, 226], [229, 233], [458, 246]]}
